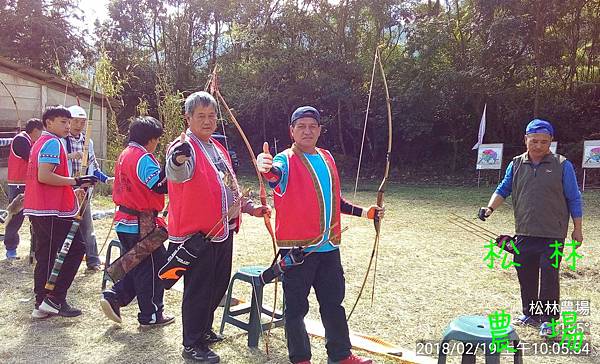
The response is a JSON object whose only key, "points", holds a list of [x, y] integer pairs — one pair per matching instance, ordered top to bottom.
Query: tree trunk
{"points": [[36, 19], [539, 34], [215, 45], [340, 128]]}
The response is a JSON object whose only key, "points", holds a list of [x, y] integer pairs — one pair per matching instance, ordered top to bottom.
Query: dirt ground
{"points": [[428, 273]]}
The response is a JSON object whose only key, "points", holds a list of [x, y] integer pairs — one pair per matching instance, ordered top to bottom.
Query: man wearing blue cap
{"points": [[306, 193], [545, 193]]}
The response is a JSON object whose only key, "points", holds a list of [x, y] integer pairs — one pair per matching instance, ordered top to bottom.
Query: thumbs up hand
{"points": [[182, 152], [264, 161]]}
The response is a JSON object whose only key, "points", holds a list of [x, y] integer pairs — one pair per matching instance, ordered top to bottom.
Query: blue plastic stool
{"points": [[113, 243], [254, 327], [475, 330]]}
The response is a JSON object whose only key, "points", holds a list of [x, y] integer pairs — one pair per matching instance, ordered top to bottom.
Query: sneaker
{"points": [[11, 254], [94, 268], [51, 306], [111, 306], [67, 310], [38, 314], [163, 320], [526, 320], [545, 329], [211, 337], [200, 353], [353, 359], [303, 362]]}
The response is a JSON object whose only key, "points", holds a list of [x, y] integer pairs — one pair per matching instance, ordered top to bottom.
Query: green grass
{"points": [[428, 273]]}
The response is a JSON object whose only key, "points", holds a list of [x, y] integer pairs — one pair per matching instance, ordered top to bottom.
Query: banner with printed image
{"points": [[591, 154], [489, 156]]}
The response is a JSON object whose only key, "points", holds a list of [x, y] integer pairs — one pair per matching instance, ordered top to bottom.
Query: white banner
{"points": [[481, 129]]}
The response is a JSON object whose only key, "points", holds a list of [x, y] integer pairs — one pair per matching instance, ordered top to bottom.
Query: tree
{"points": [[41, 34]]}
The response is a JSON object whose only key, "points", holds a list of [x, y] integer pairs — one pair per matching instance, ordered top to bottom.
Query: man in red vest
{"points": [[18, 158], [139, 188], [306, 189], [51, 204], [205, 207]]}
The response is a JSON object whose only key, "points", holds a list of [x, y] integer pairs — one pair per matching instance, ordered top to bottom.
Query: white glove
{"points": [[264, 161]]}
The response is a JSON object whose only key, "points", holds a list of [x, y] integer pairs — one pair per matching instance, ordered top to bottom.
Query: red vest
{"points": [[17, 166], [128, 190], [46, 200], [199, 204], [300, 210]]}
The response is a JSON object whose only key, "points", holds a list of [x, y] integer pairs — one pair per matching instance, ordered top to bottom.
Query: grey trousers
{"points": [[86, 228]]}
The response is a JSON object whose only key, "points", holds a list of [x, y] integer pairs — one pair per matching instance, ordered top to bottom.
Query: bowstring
{"points": [[362, 144]]}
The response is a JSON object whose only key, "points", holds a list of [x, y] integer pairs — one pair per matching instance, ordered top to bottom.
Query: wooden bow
{"points": [[381, 189]]}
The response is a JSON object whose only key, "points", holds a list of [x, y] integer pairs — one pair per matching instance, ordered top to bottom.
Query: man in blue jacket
{"points": [[545, 194]]}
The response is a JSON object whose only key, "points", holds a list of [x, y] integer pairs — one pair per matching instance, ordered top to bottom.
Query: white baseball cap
{"points": [[77, 112]]}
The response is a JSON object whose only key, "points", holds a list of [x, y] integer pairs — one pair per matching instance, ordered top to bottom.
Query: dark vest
{"points": [[540, 205]]}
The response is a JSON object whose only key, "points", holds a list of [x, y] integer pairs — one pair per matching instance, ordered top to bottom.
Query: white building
{"points": [[33, 90]]}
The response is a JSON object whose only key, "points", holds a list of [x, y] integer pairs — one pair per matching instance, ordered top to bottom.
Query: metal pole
{"points": [[478, 177], [583, 182]]}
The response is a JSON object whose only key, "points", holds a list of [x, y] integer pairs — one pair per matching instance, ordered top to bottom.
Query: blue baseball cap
{"points": [[306, 111], [539, 126]]}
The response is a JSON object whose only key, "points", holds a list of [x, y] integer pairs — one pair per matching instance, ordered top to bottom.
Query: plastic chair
{"points": [[253, 326], [475, 330]]}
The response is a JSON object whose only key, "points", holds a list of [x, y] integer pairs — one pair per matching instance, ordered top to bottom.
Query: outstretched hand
{"points": [[182, 152], [264, 161], [375, 211]]}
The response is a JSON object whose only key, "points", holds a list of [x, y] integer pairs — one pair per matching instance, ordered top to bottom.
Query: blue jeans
{"points": [[11, 235], [323, 272]]}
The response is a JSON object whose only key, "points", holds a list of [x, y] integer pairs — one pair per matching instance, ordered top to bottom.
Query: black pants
{"points": [[50, 233], [534, 257], [324, 272], [143, 282], [204, 287]]}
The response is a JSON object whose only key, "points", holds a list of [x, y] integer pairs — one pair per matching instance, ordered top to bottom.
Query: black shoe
{"points": [[94, 268], [51, 306], [111, 306], [67, 311], [163, 320], [210, 337], [200, 354]]}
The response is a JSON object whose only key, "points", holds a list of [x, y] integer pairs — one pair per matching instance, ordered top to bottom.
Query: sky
{"points": [[92, 10]]}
